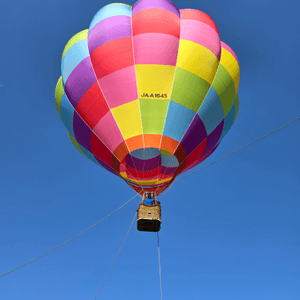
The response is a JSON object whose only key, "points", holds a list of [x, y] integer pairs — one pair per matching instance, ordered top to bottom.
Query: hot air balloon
{"points": [[148, 92]]}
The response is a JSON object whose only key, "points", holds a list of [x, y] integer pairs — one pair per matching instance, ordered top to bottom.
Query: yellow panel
{"points": [[198, 60], [231, 65], [154, 81], [128, 118], [124, 175], [163, 180], [138, 182], [144, 182], [147, 182]]}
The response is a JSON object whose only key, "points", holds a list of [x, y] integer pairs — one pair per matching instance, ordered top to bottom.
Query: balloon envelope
{"points": [[148, 91]]}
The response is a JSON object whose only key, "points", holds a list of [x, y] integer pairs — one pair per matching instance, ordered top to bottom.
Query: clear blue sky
{"points": [[230, 232]]}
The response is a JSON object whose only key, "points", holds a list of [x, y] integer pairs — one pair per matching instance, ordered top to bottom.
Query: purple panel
{"points": [[164, 4], [108, 30], [79, 81], [82, 132], [194, 136], [213, 138], [143, 165], [105, 166], [168, 171]]}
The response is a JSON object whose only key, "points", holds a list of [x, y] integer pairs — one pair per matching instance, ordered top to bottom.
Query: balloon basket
{"points": [[149, 217]]}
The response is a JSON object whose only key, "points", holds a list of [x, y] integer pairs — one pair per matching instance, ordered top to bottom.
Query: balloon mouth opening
{"points": [[149, 166]]}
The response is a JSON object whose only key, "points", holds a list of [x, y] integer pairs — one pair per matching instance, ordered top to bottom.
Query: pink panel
{"points": [[201, 34], [225, 46], [155, 48], [119, 87], [108, 132], [122, 168]]}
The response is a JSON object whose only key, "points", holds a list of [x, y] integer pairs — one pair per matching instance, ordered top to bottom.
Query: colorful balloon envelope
{"points": [[148, 91]]}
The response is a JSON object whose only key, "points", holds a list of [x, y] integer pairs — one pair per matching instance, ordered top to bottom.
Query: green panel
{"points": [[224, 87], [189, 89], [59, 91], [236, 105], [153, 113], [165, 152]]}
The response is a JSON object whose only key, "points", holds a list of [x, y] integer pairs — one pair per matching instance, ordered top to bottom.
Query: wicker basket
{"points": [[149, 217]]}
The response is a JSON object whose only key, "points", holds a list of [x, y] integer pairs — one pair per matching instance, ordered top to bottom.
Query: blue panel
{"points": [[111, 10], [76, 54], [211, 111], [67, 114], [178, 120], [229, 120], [147, 153], [169, 161]]}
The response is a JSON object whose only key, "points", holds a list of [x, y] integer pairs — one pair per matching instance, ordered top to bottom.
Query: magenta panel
{"points": [[202, 34], [155, 48], [119, 87], [108, 132]]}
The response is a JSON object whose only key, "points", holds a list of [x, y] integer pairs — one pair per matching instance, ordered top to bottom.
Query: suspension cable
{"points": [[238, 149], [71, 239], [116, 256], [159, 267]]}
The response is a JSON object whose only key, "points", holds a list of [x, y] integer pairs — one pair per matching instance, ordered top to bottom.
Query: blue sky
{"points": [[229, 232]]}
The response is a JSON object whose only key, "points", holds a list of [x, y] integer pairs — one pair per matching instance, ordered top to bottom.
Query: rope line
{"points": [[238, 149], [71, 239], [116, 256], [159, 267]]}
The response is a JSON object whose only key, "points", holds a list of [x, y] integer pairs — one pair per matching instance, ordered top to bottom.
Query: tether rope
{"points": [[239, 149], [137, 195], [71, 239], [116, 256], [159, 267]]}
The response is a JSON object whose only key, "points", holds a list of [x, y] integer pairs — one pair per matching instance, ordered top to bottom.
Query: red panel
{"points": [[198, 15], [155, 21], [112, 56], [92, 106], [100, 150], [180, 154], [196, 154], [193, 163], [138, 175], [137, 189], [155, 190]]}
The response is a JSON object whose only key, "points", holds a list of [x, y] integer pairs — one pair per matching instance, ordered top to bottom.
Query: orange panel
{"points": [[152, 140], [136, 142], [168, 144], [121, 151]]}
